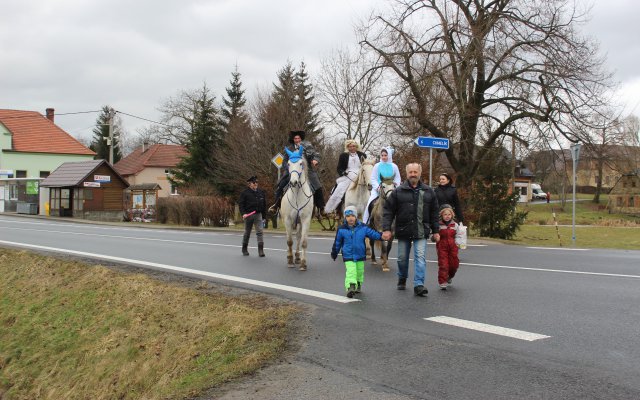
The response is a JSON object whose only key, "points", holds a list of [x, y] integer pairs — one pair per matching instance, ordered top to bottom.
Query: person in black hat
{"points": [[296, 139], [252, 205]]}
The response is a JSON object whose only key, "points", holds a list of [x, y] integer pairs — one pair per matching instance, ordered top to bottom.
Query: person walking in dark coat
{"points": [[448, 194], [252, 205], [414, 207]]}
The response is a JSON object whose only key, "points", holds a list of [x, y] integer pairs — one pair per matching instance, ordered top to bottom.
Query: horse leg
{"points": [[298, 236], [373, 244], [386, 249], [289, 251], [303, 260]]}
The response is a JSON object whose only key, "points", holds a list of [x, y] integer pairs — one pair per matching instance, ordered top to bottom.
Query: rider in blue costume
{"points": [[296, 141], [383, 171]]}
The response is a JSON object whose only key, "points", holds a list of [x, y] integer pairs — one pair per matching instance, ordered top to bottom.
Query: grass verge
{"points": [[586, 237], [87, 332]]}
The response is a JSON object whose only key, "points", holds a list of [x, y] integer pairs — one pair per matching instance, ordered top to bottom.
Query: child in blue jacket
{"points": [[350, 238]]}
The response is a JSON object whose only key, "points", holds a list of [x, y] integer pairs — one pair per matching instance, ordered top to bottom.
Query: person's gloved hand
{"points": [[334, 254]]}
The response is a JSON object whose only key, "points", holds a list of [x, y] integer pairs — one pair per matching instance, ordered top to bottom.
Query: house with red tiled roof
{"points": [[31, 146], [150, 165]]}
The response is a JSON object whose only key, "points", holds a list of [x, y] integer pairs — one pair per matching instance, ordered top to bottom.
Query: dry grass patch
{"points": [[73, 331]]}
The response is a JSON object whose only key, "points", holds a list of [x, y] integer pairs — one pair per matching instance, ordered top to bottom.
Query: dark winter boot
{"points": [[276, 205], [261, 249], [245, 252], [402, 283], [351, 291]]}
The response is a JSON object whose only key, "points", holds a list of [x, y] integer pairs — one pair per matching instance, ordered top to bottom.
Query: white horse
{"points": [[360, 189], [297, 208]]}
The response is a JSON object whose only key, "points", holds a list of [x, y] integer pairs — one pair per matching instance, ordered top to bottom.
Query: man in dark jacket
{"points": [[296, 140], [252, 205], [414, 207]]}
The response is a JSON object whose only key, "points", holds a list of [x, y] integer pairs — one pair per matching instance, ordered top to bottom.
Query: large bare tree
{"points": [[493, 69], [348, 94]]}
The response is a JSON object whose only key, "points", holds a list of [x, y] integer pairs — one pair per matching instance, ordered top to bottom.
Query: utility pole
{"points": [[111, 115], [575, 155]]}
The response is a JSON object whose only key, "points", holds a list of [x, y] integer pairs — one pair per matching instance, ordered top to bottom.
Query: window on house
{"points": [[21, 173], [44, 174], [607, 180], [633, 183], [174, 190], [13, 192], [55, 198], [619, 201], [631, 202]]}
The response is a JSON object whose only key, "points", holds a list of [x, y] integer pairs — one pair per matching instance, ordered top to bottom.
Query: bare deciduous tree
{"points": [[501, 65], [347, 96]]}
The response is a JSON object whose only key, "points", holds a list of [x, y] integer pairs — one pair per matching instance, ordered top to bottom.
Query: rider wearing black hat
{"points": [[296, 140], [252, 205]]}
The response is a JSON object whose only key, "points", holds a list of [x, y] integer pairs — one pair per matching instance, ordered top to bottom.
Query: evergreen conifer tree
{"points": [[304, 104], [100, 141], [203, 144], [498, 216]]}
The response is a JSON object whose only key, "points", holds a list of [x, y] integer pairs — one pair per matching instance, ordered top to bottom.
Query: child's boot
{"points": [[359, 287], [351, 291]]}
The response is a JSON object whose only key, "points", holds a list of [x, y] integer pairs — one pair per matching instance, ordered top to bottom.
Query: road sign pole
{"points": [[430, 166]]}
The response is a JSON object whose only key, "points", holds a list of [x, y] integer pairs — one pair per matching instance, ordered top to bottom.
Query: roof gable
{"points": [[31, 132], [158, 155], [72, 173]]}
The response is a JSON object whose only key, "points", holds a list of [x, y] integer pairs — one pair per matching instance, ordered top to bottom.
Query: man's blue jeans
{"points": [[419, 259]]}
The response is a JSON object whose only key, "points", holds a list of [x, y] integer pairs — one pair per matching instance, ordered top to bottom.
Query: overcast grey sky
{"points": [[78, 55]]}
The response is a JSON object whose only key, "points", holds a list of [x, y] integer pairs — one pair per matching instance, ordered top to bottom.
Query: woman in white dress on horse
{"points": [[348, 167], [383, 171]]}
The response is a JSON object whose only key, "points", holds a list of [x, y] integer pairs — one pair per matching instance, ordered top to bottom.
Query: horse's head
{"points": [[297, 167], [366, 169], [386, 187]]}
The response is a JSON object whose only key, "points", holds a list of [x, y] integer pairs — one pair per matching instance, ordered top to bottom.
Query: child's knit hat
{"points": [[446, 207], [351, 210]]}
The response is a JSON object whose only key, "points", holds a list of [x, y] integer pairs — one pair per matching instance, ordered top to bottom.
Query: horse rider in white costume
{"points": [[349, 164], [385, 170]]}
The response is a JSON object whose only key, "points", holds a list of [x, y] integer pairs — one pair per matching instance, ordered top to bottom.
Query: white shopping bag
{"points": [[461, 236]]}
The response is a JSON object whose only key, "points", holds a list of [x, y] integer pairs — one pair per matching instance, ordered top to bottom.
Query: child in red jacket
{"points": [[448, 261]]}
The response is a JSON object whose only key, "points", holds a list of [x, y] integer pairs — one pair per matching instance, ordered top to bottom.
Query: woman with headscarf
{"points": [[349, 164], [384, 170], [448, 194]]}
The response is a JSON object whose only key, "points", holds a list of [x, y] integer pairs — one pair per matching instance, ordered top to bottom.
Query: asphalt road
{"points": [[556, 323]]}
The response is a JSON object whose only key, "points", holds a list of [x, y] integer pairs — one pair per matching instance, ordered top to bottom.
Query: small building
{"points": [[32, 145], [152, 165], [87, 190], [625, 195], [140, 202]]}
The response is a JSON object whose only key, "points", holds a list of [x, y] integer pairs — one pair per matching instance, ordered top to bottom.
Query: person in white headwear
{"points": [[349, 164], [385, 170]]}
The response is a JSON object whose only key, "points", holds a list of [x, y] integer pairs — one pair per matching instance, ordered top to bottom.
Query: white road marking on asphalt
{"points": [[556, 248], [325, 253], [561, 271], [277, 286], [494, 329]]}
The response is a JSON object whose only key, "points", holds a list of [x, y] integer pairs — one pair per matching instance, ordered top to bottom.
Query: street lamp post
{"points": [[575, 156]]}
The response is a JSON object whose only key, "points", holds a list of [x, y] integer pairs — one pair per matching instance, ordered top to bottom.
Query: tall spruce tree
{"points": [[233, 104], [304, 104], [238, 135], [100, 141], [203, 144], [495, 206]]}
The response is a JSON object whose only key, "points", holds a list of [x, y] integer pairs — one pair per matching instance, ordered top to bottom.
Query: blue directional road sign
{"points": [[432, 142]]}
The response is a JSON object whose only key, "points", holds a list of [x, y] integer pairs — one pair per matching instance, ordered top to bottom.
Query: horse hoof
{"points": [[297, 261], [291, 265], [303, 268], [385, 269]]}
